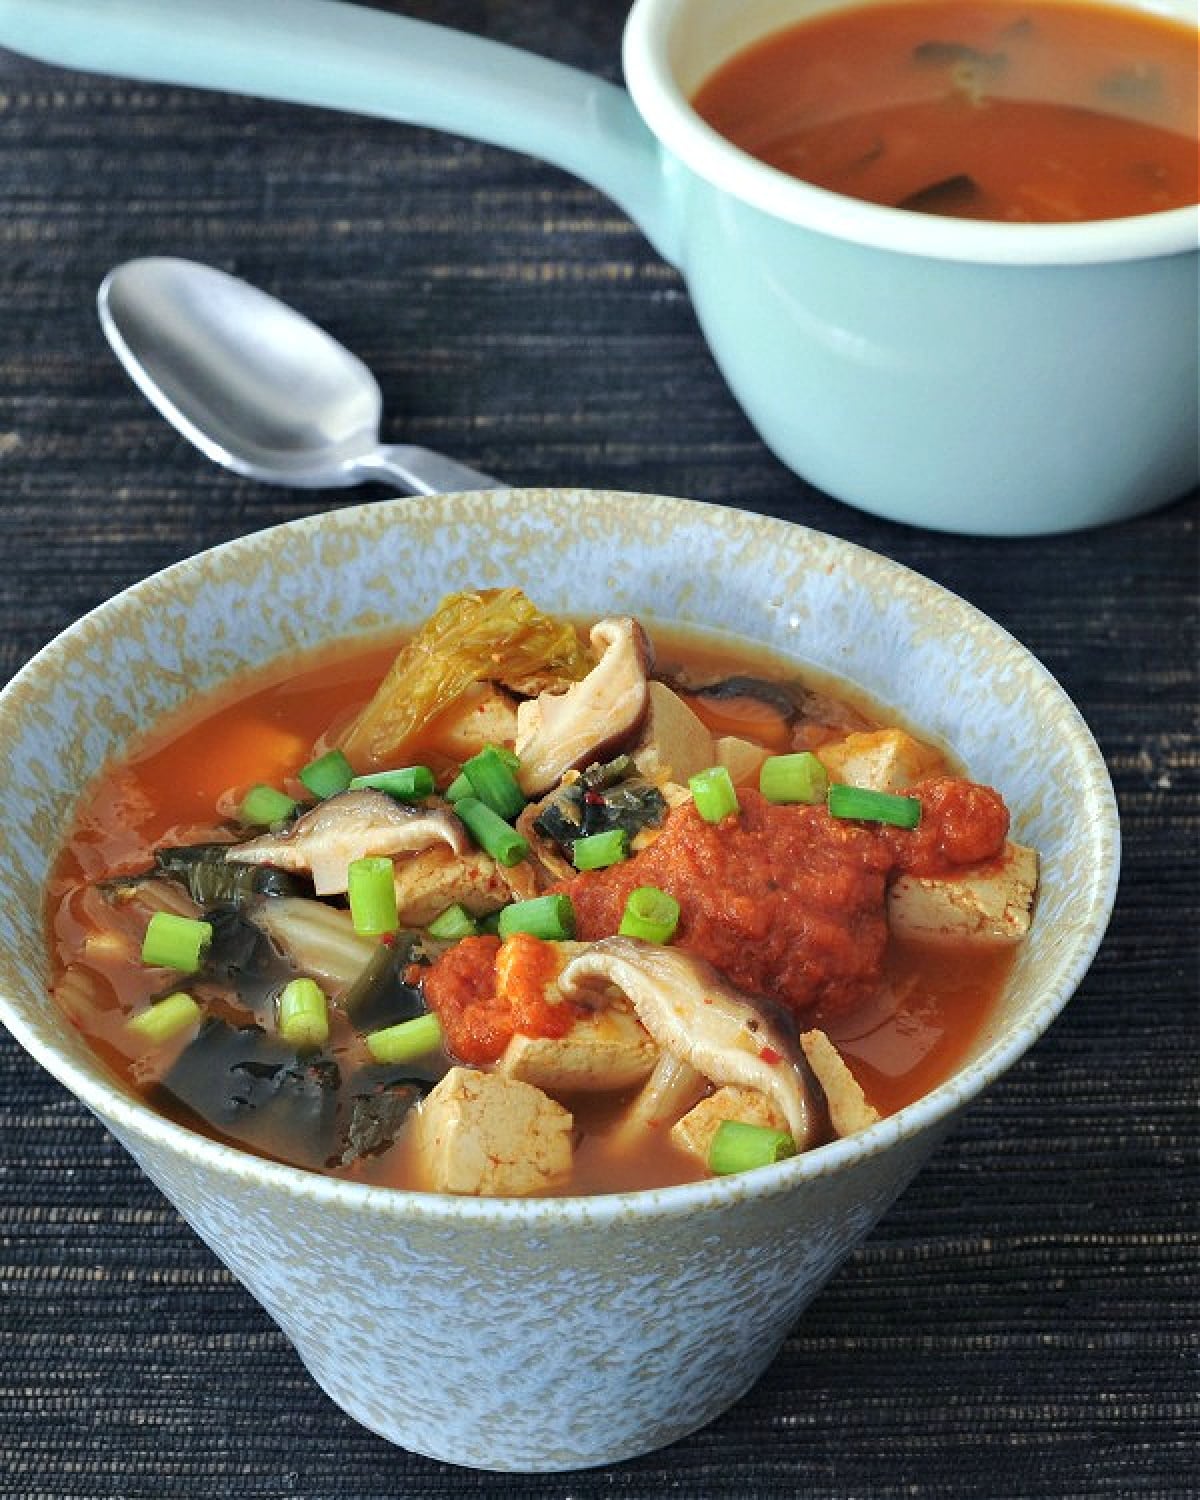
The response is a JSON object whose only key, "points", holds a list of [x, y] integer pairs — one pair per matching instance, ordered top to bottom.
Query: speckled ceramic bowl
{"points": [[553, 1334]]}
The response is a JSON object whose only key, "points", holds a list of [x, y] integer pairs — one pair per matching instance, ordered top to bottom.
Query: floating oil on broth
{"points": [[1037, 113]]}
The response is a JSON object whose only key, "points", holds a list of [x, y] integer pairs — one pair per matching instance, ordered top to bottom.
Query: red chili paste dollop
{"points": [[787, 901], [479, 1016]]}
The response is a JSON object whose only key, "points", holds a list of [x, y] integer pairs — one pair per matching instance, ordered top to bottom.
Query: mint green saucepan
{"points": [[991, 378]]}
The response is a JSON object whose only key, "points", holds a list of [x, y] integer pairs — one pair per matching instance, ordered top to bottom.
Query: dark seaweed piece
{"points": [[1020, 29], [951, 54], [1138, 86], [951, 195], [597, 777], [603, 798], [561, 820], [213, 880], [239, 950], [243, 958], [381, 996], [250, 1087], [376, 1118]]}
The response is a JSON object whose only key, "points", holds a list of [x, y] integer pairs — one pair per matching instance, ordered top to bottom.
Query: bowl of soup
{"points": [[555, 924]]}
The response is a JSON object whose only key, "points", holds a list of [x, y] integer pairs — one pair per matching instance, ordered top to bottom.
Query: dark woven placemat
{"points": [[1023, 1323]]}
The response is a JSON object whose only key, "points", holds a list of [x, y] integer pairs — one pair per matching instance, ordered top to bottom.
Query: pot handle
{"points": [[346, 57]]}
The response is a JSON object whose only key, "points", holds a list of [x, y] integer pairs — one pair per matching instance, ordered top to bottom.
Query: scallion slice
{"points": [[328, 775], [793, 778], [493, 782], [406, 783], [460, 787], [713, 793], [264, 805], [869, 806], [489, 830], [599, 850], [372, 891], [650, 914], [551, 918], [454, 923], [174, 942], [303, 1015], [165, 1017], [406, 1040], [736, 1147]]}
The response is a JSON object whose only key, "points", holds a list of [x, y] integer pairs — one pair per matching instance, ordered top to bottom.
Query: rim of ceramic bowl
{"points": [[669, 114], [91, 1083]]}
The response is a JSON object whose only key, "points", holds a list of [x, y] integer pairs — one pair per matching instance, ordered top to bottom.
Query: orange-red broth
{"points": [[1034, 113], [910, 1038]]}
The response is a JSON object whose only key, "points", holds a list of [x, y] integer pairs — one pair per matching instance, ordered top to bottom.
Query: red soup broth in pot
{"points": [[1039, 113]]}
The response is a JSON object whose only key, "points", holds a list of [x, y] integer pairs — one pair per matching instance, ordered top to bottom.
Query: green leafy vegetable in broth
{"points": [[604, 798]]}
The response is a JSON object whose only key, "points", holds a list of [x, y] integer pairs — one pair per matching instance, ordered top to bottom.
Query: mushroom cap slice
{"points": [[558, 732], [353, 825], [692, 1012]]}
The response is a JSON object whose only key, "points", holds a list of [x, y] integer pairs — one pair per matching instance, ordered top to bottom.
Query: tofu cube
{"points": [[482, 715], [676, 742], [741, 758], [886, 760], [428, 882], [993, 904], [608, 1050], [848, 1107], [694, 1132], [491, 1136]]}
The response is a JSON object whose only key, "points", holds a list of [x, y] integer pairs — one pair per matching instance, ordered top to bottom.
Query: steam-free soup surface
{"points": [[1026, 113], [900, 1040]]}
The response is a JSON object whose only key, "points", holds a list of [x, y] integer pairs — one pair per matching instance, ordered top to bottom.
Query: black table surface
{"points": [[1023, 1322]]}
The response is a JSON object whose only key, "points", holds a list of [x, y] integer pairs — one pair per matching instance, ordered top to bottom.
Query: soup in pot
{"points": [[1030, 113]]}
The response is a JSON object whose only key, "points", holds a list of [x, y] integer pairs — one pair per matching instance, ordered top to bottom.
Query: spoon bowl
{"points": [[255, 385]]}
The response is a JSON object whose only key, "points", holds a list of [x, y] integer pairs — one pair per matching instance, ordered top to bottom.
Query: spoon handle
{"points": [[422, 472]]}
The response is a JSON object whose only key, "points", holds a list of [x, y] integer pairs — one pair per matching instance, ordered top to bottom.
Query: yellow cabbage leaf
{"points": [[488, 635]]}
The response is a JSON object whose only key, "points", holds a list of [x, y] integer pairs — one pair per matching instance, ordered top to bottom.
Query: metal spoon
{"points": [[256, 386]]}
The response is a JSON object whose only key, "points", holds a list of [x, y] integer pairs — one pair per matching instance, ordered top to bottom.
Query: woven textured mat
{"points": [[1023, 1323]]}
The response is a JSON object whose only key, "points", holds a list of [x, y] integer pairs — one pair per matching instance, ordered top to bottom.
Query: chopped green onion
{"points": [[328, 775], [793, 778], [493, 782], [406, 784], [460, 787], [713, 793], [263, 805], [873, 807], [489, 830], [599, 850], [371, 887], [650, 914], [551, 918], [454, 923], [174, 942], [303, 1015], [165, 1017], [406, 1040], [736, 1147]]}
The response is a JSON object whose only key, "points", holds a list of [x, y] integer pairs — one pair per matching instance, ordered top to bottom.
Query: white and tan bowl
{"points": [[552, 1334]]}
